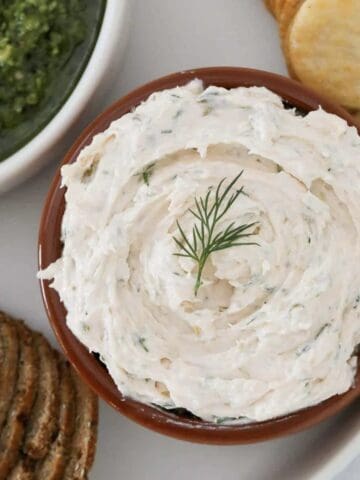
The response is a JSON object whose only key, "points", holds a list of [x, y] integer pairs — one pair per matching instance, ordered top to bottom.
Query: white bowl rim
{"points": [[17, 166]]}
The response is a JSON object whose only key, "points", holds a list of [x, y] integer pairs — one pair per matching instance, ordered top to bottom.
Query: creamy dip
{"points": [[274, 326]]}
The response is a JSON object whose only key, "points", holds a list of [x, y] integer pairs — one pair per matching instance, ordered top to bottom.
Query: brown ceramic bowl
{"points": [[88, 366]]}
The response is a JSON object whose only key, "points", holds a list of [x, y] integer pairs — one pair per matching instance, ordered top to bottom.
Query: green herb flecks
{"points": [[177, 114], [90, 171], [146, 173], [204, 239], [357, 302], [85, 327], [322, 329], [142, 342], [221, 420]]}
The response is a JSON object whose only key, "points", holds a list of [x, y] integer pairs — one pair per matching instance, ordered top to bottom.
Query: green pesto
{"points": [[44, 47]]}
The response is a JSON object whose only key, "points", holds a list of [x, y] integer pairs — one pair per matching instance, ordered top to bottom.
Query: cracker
{"points": [[270, 6], [278, 6], [286, 13], [286, 17], [324, 48], [9, 350], [22, 401], [50, 417], [42, 421], [84, 440], [53, 466], [23, 470]]}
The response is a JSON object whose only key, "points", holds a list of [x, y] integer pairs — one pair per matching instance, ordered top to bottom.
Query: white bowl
{"points": [[105, 57]]}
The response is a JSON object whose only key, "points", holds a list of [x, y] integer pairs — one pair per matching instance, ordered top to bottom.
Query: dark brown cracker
{"points": [[9, 349], [43, 418], [50, 424], [13, 431], [84, 440], [53, 466], [24, 470]]}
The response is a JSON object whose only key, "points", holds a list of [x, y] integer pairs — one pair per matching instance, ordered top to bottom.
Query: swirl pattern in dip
{"points": [[274, 327]]}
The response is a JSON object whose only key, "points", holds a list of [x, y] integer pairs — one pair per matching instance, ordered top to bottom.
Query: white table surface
{"points": [[166, 36]]}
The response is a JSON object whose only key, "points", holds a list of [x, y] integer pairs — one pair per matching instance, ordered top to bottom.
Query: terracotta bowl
{"points": [[88, 366]]}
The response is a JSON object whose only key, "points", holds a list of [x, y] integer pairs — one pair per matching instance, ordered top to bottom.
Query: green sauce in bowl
{"points": [[44, 48]]}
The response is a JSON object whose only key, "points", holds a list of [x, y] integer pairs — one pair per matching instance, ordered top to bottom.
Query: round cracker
{"points": [[279, 5], [270, 6], [286, 14], [286, 19], [324, 48], [9, 350], [51, 414], [42, 421], [12, 434], [83, 444], [53, 465], [23, 470]]}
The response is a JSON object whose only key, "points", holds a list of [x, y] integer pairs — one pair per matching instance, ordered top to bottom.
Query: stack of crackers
{"points": [[321, 43], [48, 417]]}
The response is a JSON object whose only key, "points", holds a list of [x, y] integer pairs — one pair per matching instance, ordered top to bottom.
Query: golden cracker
{"points": [[324, 48]]}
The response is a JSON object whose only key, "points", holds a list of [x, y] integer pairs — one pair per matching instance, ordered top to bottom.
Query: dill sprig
{"points": [[204, 239]]}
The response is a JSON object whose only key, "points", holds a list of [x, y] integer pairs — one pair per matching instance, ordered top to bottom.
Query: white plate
{"points": [[168, 36], [104, 60]]}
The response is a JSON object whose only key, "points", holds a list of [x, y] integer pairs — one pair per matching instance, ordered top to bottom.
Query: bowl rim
{"points": [[30, 157], [89, 368]]}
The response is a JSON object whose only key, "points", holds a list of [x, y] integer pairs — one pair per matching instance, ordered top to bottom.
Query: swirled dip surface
{"points": [[274, 327]]}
